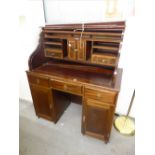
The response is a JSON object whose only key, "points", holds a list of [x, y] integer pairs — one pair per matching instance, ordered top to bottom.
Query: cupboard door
{"points": [[72, 49], [81, 55], [42, 99], [97, 119]]}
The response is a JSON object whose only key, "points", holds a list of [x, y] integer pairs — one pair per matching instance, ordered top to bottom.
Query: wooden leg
{"points": [[106, 140]]}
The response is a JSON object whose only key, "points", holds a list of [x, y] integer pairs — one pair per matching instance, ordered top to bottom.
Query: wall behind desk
{"points": [[31, 18]]}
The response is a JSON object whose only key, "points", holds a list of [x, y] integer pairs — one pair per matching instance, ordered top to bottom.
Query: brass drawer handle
{"points": [[52, 54], [103, 60], [74, 79], [38, 81], [65, 86], [98, 95], [50, 106], [84, 118]]}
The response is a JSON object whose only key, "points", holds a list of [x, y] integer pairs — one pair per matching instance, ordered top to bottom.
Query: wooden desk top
{"points": [[80, 74]]}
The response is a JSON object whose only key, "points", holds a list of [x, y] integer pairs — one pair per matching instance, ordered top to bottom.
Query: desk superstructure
{"points": [[78, 61]]}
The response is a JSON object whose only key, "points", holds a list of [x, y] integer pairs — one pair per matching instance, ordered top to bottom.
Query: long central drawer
{"points": [[67, 87]]}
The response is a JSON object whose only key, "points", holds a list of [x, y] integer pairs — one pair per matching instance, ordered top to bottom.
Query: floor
{"points": [[41, 137]]}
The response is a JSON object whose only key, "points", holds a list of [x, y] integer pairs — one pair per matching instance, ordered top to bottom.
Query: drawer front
{"points": [[49, 53], [108, 60], [34, 79], [68, 87], [102, 95]]}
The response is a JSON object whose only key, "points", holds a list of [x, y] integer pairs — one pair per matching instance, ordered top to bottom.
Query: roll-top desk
{"points": [[78, 61]]}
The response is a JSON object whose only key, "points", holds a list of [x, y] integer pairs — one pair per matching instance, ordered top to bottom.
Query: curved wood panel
{"points": [[37, 58]]}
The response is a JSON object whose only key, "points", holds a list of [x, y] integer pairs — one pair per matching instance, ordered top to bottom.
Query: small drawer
{"points": [[53, 53], [101, 59], [35, 79], [68, 87], [102, 95], [97, 103]]}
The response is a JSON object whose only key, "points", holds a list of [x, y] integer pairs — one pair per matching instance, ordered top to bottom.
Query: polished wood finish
{"points": [[108, 26], [89, 43], [72, 49], [76, 49], [54, 53], [81, 55], [37, 58], [104, 59], [76, 62], [38, 80], [67, 87], [100, 94], [42, 99], [97, 119]]}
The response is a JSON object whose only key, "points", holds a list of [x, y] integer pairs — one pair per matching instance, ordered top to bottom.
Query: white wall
{"points": [[66, 11], [82, 11], [31, 18], [128, 63]]}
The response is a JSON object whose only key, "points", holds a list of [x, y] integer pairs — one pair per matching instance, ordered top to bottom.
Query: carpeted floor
{"points": [[41, 137]]}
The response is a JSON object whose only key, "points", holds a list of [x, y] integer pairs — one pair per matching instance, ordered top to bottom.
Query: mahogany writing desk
{"points": [[71, 62]]}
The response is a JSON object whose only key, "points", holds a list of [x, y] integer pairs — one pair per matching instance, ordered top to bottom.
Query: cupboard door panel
{"points": [[77, 49], [72, 50], [81, 55], [42, 99], [97, 119]]}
